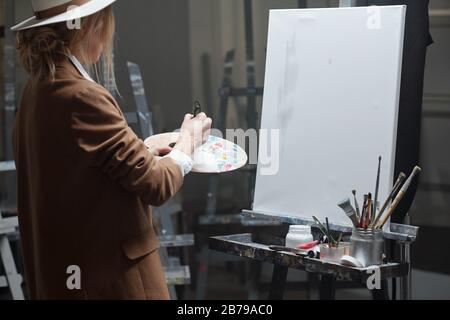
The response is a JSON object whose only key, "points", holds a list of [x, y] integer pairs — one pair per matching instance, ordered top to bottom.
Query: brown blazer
{"points": [[85, 184]]}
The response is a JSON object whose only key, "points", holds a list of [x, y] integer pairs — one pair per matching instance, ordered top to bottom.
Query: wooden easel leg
{"points": [[242, 271], [202, 273], [13, 279], [253, 279], [278, 283], [314, 283], [327, 287], [383, 293]]}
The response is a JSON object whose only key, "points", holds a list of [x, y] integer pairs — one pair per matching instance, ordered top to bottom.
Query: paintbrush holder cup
{"points": [[367, 246], [331, 254]]}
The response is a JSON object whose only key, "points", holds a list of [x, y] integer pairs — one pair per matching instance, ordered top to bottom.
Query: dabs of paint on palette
{"points": [[218, 155]]}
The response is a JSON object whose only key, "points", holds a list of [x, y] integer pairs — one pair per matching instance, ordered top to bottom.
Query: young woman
{"points": [[85, 180]]}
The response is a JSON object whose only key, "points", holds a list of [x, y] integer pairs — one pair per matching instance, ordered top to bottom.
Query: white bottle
{"points": [[298, 235]]}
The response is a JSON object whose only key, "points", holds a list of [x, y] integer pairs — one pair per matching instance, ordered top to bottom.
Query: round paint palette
{"points": [[217, 155]]}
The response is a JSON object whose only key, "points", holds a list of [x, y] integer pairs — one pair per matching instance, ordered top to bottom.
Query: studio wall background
{"points": [[168, 38]]}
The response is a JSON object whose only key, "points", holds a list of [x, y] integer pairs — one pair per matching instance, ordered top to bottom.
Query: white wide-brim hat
{"points": [[54, 11]]}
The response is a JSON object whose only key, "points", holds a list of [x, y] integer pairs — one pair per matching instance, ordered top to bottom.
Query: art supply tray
{"points": [[397, 232], [246, 246]]}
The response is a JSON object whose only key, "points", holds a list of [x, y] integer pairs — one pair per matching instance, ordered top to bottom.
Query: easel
{"points": [[227, 91], [9, 107], [8, 182], [9, 226], [255, 247], [176, 274]]}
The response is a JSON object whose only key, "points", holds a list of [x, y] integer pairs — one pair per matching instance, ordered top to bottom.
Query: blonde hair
{"points": [[42, 47]]}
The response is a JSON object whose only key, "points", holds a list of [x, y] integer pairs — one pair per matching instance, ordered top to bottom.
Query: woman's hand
{"points": [[194, 132], [161, 151]]}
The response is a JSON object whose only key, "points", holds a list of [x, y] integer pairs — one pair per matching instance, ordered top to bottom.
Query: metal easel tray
{"points": [[242, 245]]}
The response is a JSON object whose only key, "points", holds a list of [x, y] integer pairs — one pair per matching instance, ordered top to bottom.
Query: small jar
{"points": [[298, 235], [367, 246], [331, 254]]}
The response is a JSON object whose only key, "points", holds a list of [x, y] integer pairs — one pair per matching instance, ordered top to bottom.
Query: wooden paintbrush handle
{"points": [[400, 195], [390, 198], [391, 210], [369, 213]]}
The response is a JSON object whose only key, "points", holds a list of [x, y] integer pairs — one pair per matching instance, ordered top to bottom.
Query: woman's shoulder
{"points": [[79, 88], [77, 92]]}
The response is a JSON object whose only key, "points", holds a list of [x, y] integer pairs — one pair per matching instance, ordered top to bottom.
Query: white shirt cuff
{"points": [[182, 160]]}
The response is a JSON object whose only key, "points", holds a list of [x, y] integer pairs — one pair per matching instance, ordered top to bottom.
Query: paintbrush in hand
{"points": [[196, 110]]}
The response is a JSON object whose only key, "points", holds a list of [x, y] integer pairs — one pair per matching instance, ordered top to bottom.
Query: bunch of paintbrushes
{"points": [[370, 217], [326, 231]]}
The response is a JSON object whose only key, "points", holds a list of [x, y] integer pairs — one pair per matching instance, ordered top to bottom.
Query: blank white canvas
{"points": [[332, 87]]}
